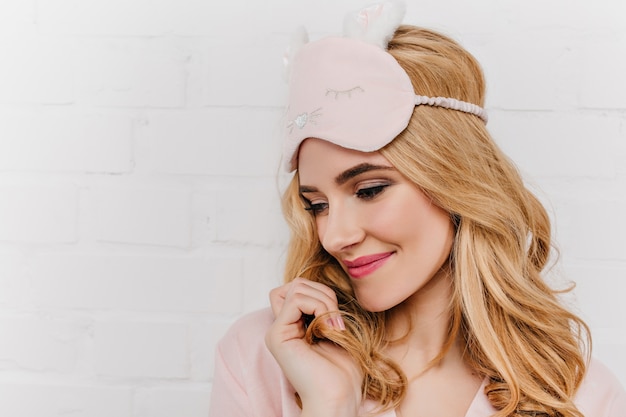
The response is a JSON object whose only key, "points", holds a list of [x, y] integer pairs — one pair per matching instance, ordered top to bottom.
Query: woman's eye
{"points": [[370, 192], [317, 208]]}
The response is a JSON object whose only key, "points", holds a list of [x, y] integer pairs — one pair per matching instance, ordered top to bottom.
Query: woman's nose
{"points": [[342, 229]]}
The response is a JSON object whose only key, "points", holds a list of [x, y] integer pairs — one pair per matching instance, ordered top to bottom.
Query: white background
{"points": [[139, 151]]}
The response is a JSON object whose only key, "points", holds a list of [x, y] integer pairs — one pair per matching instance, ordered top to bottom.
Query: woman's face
{"points": [[384, 231]]}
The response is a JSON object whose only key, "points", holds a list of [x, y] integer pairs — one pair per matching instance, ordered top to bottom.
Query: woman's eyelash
{"points": [[370, 192], [366, 193], [317, 208]]}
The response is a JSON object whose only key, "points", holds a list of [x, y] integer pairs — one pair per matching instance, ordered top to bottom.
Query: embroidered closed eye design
{"points": [[349, 92]]}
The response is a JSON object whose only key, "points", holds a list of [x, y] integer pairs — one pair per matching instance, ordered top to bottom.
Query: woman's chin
{"points": [[374, 304]]}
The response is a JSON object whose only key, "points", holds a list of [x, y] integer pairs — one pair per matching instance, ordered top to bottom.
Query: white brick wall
{"points": [[139, 148], [38, 213]]}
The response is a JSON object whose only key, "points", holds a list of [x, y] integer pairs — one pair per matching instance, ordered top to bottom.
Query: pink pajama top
{"points": [[249, 383]]}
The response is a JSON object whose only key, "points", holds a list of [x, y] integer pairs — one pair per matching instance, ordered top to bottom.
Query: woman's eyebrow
{"points": [[358, 170], [348, 174], [307, 189]]}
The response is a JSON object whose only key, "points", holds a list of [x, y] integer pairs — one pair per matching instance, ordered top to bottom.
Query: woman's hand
{"points": [[324, 375]]}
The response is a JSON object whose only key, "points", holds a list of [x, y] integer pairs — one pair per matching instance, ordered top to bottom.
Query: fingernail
{"points": [[330, 322], [340, 323]]}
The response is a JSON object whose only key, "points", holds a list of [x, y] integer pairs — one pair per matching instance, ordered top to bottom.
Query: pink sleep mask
{"points": [[351, 91]]}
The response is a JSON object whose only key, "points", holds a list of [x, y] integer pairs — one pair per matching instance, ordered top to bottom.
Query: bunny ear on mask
{"points": [[375, 24], [299, 38]]}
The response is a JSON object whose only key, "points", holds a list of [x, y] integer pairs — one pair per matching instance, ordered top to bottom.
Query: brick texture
{"points": [[139, 178]]}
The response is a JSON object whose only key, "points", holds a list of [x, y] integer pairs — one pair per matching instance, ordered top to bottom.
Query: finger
{"points": [[302, 285], [318, 286], [302, 289], [314, 290], [277, 298], [304, 300], [290, 323], [279, 333]]}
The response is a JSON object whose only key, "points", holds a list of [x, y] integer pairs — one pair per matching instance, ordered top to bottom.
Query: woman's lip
{"points": [[364, 260], [365, 265]]}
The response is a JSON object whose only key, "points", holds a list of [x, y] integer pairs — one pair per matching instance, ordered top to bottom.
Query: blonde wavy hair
{"points": [[516, 332]]}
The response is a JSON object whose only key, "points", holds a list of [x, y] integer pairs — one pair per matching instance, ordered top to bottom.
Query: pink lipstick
{"points": [[365, 265]]}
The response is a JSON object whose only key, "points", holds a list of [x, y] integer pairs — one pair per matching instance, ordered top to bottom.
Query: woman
{"points": [[413, 278]]}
